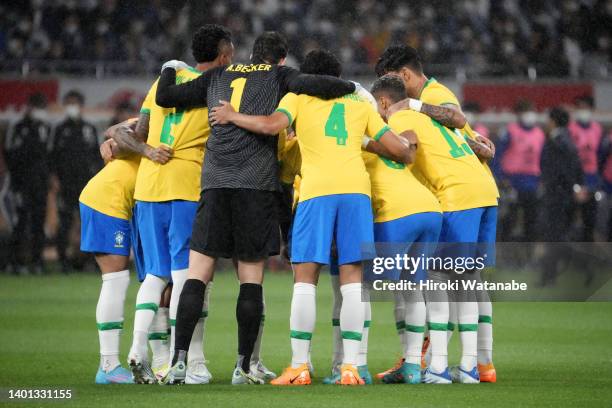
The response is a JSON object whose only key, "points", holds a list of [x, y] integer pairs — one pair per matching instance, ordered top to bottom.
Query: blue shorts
{"points": [[344, 218], [477, 226], [164, 229], [103, 234], [415, 235], [137, 250]]}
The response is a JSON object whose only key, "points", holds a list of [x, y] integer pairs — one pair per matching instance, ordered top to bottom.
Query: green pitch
{"points": [[546, 354]]}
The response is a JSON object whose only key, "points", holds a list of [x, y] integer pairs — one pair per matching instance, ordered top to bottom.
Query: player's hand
{"points": [[175, 65], [221, 115], [486, 141], [106, 150], [161, 154]]}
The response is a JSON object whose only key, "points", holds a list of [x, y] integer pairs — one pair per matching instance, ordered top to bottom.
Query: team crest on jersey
{"points": [[119, 239]]}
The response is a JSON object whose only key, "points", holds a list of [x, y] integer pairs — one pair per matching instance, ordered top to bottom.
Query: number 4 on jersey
{"points": [[170, 119], [336, 125]]}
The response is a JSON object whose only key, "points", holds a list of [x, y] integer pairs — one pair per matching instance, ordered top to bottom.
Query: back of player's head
{"points": [[208, 42], [270, 47], [397, 57], [321, 62], [390, 85], [74, 96], [37, 100], [559, 116]]}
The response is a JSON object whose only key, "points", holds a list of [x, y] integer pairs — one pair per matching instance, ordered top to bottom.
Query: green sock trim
{"points": [[147, 306], [204, 314], [263, 318], [485, 319], [172, 322], [335, 322], [367, 323], [400, 325], [110, 326], [438, 326], [450, 326], [468, 327], [415, 329], [300, 335], [350, 335], [158, 336]]}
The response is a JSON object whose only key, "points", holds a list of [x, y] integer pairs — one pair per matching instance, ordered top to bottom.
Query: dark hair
{"points": [[207, 42], [269, 47], [397, 57], [321, 62], [390, 84], [74, 94], [585, 99], [37, 100], [523, 105], [559, 116]]}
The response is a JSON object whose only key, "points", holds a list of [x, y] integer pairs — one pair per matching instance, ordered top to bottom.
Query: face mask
{"points": [[73, 111], [39, 114], [583, 115], [529, 119]]}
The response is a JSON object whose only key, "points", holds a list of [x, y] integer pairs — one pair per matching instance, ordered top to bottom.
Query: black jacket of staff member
{"points": [[74, 159], [27, 160]]}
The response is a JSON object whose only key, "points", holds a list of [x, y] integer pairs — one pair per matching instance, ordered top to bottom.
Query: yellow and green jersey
{"points": [[434, 93], [186, 132], [329, 135], [289, 158], [446, 164], [396, 192]]}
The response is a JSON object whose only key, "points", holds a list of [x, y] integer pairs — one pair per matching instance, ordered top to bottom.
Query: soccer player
{"points": [[428, 96], [166, 202], [469, 203], [106, 205], [330, 209], [237, 216]]}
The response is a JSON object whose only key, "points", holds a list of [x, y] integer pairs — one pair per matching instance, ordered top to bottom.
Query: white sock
{"points": [[178, 281], [147, 303], [399, 312], [467, 313], [109, 316], [302, 321], [351, 321], [415, 327], [485, 332], [158, 338], [438, 339], [196, 346], [338, 351], [256, 355], [362, 358]]}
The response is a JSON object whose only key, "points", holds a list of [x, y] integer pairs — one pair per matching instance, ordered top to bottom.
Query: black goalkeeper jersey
{"points": [[235, 157]]}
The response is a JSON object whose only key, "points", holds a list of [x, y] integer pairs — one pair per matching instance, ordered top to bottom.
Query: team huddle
{"points": [[236, 160]]}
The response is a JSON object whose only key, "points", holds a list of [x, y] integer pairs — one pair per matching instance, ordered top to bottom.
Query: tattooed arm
{"points": [[448, 115], [131, 140]]}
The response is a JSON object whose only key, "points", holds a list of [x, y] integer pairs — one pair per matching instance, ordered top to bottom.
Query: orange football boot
{"points": [[424, 352], [397, 365], [487, 373], [349, 375], [293, 376]]}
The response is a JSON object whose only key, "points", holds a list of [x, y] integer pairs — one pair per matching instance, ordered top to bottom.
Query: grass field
{"points": [[546, 354]]}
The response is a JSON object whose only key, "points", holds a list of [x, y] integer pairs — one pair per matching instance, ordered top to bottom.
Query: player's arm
{"points": [[320, 86], [184, 96], [448, 115], [266, 125], [128, 138], [400, 148], [481, 149]]}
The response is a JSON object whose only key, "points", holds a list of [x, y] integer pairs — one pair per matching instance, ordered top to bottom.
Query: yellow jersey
{"points": [[434, 93], [184, 131], [329, 135], [290, 160], [446, 164], [111, 190], [396, 192]]}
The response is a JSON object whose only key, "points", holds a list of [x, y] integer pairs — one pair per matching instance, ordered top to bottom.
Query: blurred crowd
{"points": [[487, 37]]}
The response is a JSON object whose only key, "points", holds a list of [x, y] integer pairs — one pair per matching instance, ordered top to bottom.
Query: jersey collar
{"points": [[429, 81]]}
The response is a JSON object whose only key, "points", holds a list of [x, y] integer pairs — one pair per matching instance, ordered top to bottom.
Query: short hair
{"points": [[207, 42], [270, 47], [397, 57], [321, 62], [390, 84], [74, 94], [585, 99], [37, 100], [559, 116]]}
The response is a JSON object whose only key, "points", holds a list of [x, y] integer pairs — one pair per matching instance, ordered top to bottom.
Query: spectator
{"points": [[587, 136], [75, 159], [28, 164], [518, 167], [605, 167]]}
